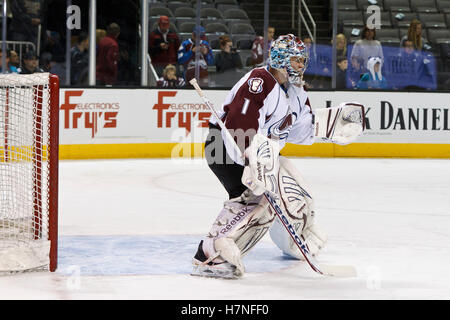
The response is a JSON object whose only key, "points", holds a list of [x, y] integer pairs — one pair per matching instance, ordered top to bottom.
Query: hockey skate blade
{"points": [[204, 271], [339, 271]]}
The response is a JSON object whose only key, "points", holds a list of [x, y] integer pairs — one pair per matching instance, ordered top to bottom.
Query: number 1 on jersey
{"points": [[245, 106]]}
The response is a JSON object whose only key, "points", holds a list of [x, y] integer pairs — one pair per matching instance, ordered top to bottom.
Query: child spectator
{"points": [[163, 45], [186, 56], [227, 58], [14, 59], [30, 64], [341, 72], [170, 79], [373, 79]]}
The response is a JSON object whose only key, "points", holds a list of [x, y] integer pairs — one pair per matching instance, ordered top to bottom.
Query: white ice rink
{"points": [[128, 229]]}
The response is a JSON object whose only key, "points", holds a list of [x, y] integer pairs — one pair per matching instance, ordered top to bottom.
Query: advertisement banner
{"points": [[103, 116], [143, 123]]}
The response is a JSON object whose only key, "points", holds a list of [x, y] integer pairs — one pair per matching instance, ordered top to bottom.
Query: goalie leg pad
{"points": [[298, 203], [240, 225]]}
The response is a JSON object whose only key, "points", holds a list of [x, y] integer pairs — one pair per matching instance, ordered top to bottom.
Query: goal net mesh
{"points": [[24, 167]]}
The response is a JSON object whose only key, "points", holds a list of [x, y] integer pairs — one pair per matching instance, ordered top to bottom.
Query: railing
{"points": [[312, 35], [20, 47], [152, 75]]}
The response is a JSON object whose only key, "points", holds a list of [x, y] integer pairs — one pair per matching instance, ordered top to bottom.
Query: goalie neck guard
{"points": [[281, 51]]}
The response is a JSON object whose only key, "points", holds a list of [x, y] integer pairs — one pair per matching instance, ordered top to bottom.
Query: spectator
{"points": [[27, 16], [99, 35], [415, 35], [163, 45], [341, 45], [54, 46], [367, 47], [52, 56], [108, 56], [186, 56], [257, 57], [227, 58], [14, 59], [79, 60], [30, 64], [10, 68], [414, 68], [341, 72], [354, 72], [170, 79], [373, 79]]}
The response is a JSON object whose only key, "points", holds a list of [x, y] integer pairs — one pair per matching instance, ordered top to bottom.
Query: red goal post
{"points": [[29, 142]]}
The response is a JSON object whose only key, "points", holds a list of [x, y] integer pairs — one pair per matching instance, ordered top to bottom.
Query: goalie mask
{"points": [[281, 52]]}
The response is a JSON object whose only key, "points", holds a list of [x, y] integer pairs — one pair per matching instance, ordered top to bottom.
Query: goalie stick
{"points": [[330, 270]]}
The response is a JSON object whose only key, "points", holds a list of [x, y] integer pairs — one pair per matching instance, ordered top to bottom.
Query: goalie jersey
{"points": [[259, 104]]}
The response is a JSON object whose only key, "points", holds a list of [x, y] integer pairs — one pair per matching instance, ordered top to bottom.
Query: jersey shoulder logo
{"points": [[255, 85]]}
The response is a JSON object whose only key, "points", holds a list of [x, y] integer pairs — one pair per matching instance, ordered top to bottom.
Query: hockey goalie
{"points": [[268, 107]]}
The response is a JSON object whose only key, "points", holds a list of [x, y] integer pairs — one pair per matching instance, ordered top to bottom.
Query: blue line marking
{"points": [[150, 255]]}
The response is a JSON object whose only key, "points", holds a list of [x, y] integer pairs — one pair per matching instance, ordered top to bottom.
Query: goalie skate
{"points": [[204, 267]]}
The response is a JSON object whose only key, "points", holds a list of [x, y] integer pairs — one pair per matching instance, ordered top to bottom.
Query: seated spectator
{"points": [[26, 17], [415, 35], [163, 45], [341, 45], [367, 47], [187, 53], [108, 56], [257, 57], [227, 58], [14, 59], [79, 60], [30, 64], [10, 68], [413, 68], [341, 72], [170, 79], [373, 79]]}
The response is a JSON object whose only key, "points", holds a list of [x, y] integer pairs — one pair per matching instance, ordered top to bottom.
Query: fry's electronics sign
{"points": [[176, 114], [90, 115]]}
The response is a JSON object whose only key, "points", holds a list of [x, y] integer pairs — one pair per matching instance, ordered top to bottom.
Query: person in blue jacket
{"points": [[187, 52]]}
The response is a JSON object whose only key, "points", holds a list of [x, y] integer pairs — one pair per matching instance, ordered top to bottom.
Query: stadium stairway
{"points": [[280, 17]]}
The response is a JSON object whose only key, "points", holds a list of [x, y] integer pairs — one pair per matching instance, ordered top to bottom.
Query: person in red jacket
{"points": [[163, 45], [108, 56]]}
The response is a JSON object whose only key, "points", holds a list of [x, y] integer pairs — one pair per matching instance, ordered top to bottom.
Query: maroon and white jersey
{"points": [[258, 102]]}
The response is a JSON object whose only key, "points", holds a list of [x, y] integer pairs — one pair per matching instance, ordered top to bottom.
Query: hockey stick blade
{"points": [[339, 271]]}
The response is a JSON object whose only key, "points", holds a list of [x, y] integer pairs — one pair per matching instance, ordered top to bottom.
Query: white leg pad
{"points": [[298, 203], [237, 229], [229, 251]]}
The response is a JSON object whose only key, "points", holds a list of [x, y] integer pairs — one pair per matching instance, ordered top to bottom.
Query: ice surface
{"points": [[128, 229]]}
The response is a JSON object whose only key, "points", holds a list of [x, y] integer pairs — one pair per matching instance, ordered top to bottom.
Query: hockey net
{"points": [[28, 172]]}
